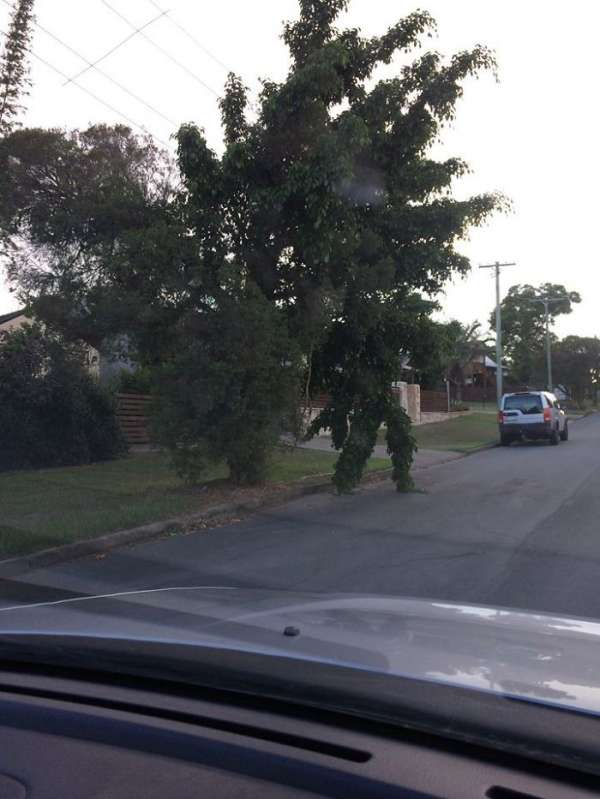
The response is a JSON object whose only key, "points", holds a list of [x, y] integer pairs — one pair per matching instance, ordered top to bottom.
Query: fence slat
{"points": [[434, 402], [132, 414]]}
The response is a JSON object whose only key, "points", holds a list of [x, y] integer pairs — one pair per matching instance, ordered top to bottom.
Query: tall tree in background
{"points": [[13, 64], [331, 205], [524, 327], [576, 363]]}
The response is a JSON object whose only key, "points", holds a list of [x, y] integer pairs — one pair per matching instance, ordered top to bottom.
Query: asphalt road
{"points": [[516, 527]]}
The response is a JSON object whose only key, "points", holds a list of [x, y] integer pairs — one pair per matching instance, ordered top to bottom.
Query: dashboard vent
{"points": [[498, 792]]}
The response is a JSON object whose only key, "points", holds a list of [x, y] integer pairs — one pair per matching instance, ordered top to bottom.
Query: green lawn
{"points": [[483, 407], [461, 434], [58, 506]]}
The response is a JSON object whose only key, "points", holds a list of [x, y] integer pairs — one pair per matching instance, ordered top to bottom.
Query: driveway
{"points": [[518, 527]]}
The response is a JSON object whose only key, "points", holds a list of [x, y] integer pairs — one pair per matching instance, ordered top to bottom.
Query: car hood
{"points": [[530, 656]]}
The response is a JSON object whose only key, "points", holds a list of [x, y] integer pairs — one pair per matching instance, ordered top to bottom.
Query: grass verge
{"points": [[461, 434], [52, 507]]}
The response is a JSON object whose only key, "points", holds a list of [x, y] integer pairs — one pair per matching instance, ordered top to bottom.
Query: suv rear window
{"points": [[526, 403]]}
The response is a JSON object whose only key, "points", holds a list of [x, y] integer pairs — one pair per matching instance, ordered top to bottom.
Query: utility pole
{"points": [[546, 303], [499, 376]]}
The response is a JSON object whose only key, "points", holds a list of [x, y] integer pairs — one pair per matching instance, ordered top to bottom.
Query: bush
{"points": [[136, 382], [226, 391], [459, 406], [52, 412]]}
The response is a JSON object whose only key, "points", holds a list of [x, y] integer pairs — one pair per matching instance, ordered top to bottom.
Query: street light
{"points": [[546, 303]]}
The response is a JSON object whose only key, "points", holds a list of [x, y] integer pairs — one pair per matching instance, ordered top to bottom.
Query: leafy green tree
{"points": [[13, 64], [332, 206], [325, 223], [92, 231], [524, 327], [429, 354], [576, 365], [225, 389], [52, 412]]}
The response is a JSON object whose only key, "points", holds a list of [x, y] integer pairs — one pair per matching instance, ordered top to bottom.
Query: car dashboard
{"points": [[65, 734]]}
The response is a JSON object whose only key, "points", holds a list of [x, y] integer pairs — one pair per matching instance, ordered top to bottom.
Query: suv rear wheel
{"points": [[564, 436], [554, 438], [505, 440]]}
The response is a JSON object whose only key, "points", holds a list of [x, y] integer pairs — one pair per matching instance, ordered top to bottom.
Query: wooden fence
{"points": [[481, 394], [434, 402], [132, 413]]}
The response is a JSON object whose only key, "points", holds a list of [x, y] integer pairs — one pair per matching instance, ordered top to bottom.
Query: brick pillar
{"points": [[402, 395], [413, 404]]}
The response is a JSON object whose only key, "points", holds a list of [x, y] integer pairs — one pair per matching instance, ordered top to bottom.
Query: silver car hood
{"points": [[532, 656]]}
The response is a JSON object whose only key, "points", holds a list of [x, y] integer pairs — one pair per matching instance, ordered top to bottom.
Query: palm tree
{"points": [[465, 343]]}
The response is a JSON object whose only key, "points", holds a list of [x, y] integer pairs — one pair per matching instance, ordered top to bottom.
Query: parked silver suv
{"points": [[532, 415]]}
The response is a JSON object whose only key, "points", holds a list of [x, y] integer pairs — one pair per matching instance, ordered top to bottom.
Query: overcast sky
{"points": [[533, 136]]}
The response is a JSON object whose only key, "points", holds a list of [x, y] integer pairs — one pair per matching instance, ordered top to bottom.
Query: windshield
{"points": [[267, 272], [526, 403]]}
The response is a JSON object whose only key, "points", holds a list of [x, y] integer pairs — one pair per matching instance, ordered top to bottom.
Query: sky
{"points": [[533, 135]]}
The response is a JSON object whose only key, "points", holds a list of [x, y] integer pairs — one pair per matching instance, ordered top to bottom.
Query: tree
{"points": [[13, 64], [330, 204], [328, 209], [92, 229], [524, 327], [465, 342], [429, 355], [576, 364], [224, 390], [52, 412]]}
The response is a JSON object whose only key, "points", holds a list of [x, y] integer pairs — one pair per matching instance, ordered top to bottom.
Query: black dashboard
{"points": [[64, 735]]}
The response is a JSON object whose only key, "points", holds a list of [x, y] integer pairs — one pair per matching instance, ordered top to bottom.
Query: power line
{"points": [[136, 31], [192, 38], [162, 49], [101, 71], [91, 94], [96, 98], [251, 104]]}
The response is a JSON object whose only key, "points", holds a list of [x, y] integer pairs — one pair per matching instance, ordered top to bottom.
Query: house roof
{"points": [[8, 317]]}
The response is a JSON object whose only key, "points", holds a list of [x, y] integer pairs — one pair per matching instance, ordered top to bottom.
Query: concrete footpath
{"points": [[424, 459]]}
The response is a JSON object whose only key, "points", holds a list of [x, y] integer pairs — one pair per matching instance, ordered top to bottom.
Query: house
{"points": [[12, 321], [101, 366], [481, 371], [475, 379], [562, 393]]}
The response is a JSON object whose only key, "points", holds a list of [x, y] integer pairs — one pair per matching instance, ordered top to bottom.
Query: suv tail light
{"points": [[547, 414], [500, 417]]}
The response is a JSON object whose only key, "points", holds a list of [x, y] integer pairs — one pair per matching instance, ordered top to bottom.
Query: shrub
{"points": [[136, 382], [226, 391], [459, 406], [52, 412]]}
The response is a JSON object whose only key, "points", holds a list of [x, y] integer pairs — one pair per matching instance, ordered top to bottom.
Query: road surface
{"points": [[517, 527]]}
